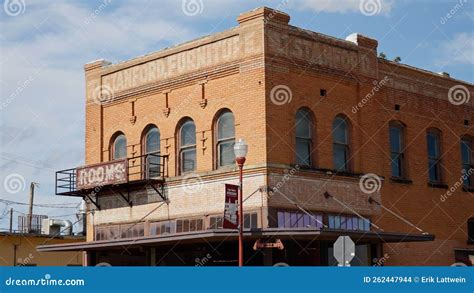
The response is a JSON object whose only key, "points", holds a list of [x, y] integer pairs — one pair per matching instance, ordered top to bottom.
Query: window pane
{"points": [[303, 124], [225, 126], [339, 130], [188, 133], [395, 139], [152, 143], [433, 143], [120, 147], [303, 151], [466, 151], [226, 153], [340, 157], [188, 160], [153, 165], [396, 165], [433, 170], [469, 180], [281, 219], [253, 220], [287, 220], [294, 220], [300, 220], [246, 221], [306, 221], [319, 222], [331, 222], [343, 222], [349, 223], [355, 223], [199, 224], [192, 225], [367, 225], [186, 226]]}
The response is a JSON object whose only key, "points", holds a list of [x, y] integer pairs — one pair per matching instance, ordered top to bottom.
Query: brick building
{"points": [[341, 142]]}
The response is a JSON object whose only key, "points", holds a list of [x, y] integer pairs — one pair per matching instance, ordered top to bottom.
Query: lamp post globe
{"points": [[240, 151]]}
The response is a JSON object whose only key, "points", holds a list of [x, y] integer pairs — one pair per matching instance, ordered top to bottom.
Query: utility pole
{"points": [[30, 212], [11, 220]]}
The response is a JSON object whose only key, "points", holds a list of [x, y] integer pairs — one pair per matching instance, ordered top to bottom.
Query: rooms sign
{"points": [[114, 172]]}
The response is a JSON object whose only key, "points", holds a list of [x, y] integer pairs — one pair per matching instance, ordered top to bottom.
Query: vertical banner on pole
{"points": [[231, 207]]}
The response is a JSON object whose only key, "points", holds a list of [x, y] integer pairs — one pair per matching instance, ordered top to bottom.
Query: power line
{"points": [[51, 205]]}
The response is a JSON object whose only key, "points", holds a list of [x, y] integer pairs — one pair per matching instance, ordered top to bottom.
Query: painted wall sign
{"points": [[198, 58], [114, 172], [231, 206]]}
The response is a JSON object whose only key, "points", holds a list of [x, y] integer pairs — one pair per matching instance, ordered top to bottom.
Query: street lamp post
{"points": [[240, 151]]}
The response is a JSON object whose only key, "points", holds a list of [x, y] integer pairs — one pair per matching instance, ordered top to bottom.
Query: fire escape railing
{"points": [[148, 167]]}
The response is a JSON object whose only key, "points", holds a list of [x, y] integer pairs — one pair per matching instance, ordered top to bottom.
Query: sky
{"points": [[45, 44]]}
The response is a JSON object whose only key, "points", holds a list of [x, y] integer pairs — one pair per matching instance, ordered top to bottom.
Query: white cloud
{"points": [[345, 6], [458, 50], [42, 53]]}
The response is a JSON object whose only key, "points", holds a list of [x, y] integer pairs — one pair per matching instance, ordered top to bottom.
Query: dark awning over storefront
{"points": [[228, 235]]}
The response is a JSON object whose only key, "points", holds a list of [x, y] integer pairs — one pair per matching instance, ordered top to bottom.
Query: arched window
{"points": [[340, 134], [304, 137], [225, 139], [433, 139], [187, 146], [118, 148], [397, 149], [151, 150], [467, 157]]}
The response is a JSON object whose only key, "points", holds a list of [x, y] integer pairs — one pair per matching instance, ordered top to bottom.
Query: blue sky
{"points": [[44, 45]]}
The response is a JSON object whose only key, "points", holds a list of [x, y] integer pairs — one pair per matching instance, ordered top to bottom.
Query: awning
{"points": [[228, 235]]}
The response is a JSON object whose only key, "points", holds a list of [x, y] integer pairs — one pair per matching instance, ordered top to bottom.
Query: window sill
{"points": [[304, 167], [338, 173], [401, 180], [438, 185]]}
